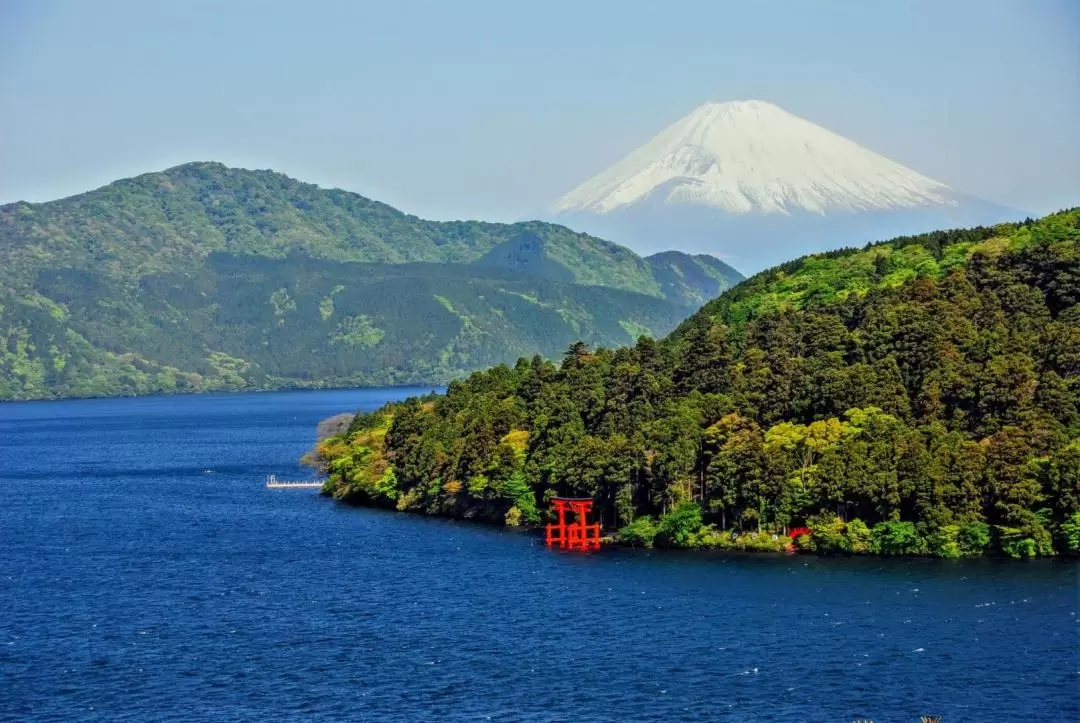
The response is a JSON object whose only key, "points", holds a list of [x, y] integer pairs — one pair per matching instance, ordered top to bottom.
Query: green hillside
{"points": [[170, 221], [204, 277], [696, 278], [244, 322], [920, 396]]}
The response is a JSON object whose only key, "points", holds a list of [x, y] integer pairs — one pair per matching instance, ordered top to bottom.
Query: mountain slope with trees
{"points": [[172, 220], [204, 277], [697, 278], [918, 396]]}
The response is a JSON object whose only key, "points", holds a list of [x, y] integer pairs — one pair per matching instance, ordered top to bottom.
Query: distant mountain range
{"points": [[756, 185], [205, 277]]}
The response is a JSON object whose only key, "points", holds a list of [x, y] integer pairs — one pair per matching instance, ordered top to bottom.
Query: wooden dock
{"points": [[274, 483]]}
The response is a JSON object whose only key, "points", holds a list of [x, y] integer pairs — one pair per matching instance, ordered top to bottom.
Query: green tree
{"points": [[678, 527]]}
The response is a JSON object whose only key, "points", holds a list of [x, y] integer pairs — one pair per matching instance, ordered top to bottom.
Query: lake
{"points": [[147, 573]]}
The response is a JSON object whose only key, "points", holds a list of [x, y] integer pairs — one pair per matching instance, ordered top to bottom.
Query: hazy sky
{"points": [[493, 109]]}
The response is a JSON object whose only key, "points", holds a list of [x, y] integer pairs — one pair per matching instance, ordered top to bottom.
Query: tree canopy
{"points": [[920, 396]]}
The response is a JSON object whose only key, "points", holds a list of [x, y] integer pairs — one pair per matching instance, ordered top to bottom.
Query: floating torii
{"points": [[576, 535]]}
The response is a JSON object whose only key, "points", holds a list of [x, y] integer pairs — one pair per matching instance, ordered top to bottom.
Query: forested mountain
{"points": [[207, 277], [696, 278], [919, 396]]}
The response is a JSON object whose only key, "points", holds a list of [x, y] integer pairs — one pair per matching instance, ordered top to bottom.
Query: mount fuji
{"points": [[755, 185]]}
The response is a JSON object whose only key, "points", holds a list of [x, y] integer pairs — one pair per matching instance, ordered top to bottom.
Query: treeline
{"points": [[918, 397]]}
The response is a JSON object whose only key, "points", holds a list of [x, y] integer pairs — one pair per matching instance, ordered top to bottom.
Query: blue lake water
{"points": [[147, 574]]}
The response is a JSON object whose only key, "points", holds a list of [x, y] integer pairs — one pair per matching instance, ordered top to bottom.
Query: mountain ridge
{"points": [[201, 207], [203, 277]]}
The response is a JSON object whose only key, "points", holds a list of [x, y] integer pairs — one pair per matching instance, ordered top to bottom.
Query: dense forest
{"points": [[204, 277], [918, 396]]}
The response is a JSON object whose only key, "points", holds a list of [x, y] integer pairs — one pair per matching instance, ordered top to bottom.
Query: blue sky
{"points": [[492, 109]]}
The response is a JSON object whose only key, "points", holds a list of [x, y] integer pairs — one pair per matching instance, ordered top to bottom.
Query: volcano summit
{"points": [[752, 183]]}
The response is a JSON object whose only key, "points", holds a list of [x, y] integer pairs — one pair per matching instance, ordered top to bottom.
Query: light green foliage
{"points": [[838, 275], [36, 300], [282, 303], [446, 304], [326, 305], [326, 308], [634, 330], [356, 331], [59, 359], [26, 369], [228, 372], [805, 445], [356, 462], [478, 485], [386, 486], [639, 533], [858, 535], [829, 536], [832, 536], [710, 537], [760, 542], [944, 542], [804, 543]]}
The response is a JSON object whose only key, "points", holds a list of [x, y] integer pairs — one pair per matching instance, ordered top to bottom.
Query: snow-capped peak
{"points": [[751, 156]]}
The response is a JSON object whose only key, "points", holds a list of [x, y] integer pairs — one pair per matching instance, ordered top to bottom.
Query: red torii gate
{"points": [[576, 535]]}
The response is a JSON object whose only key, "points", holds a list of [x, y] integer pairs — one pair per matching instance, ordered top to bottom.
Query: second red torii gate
{"points": [[576, 535]]}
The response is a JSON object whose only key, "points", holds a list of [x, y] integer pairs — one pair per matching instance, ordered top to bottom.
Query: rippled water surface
{"points": [[147, 574]]}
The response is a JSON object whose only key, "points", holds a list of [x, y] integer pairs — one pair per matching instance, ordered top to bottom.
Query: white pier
{"points": [[274, 483]]}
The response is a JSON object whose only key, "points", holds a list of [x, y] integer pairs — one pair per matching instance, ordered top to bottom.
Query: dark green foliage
{"points": [[204, 277], [694, 279], [251, 322], [914, 397]]}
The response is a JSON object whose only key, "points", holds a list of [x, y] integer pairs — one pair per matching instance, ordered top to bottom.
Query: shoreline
{"points": [[223, 392], [611, 540]]}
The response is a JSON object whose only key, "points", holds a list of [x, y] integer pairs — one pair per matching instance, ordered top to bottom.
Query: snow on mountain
{"points": [[754, 157], [739, 169]]}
